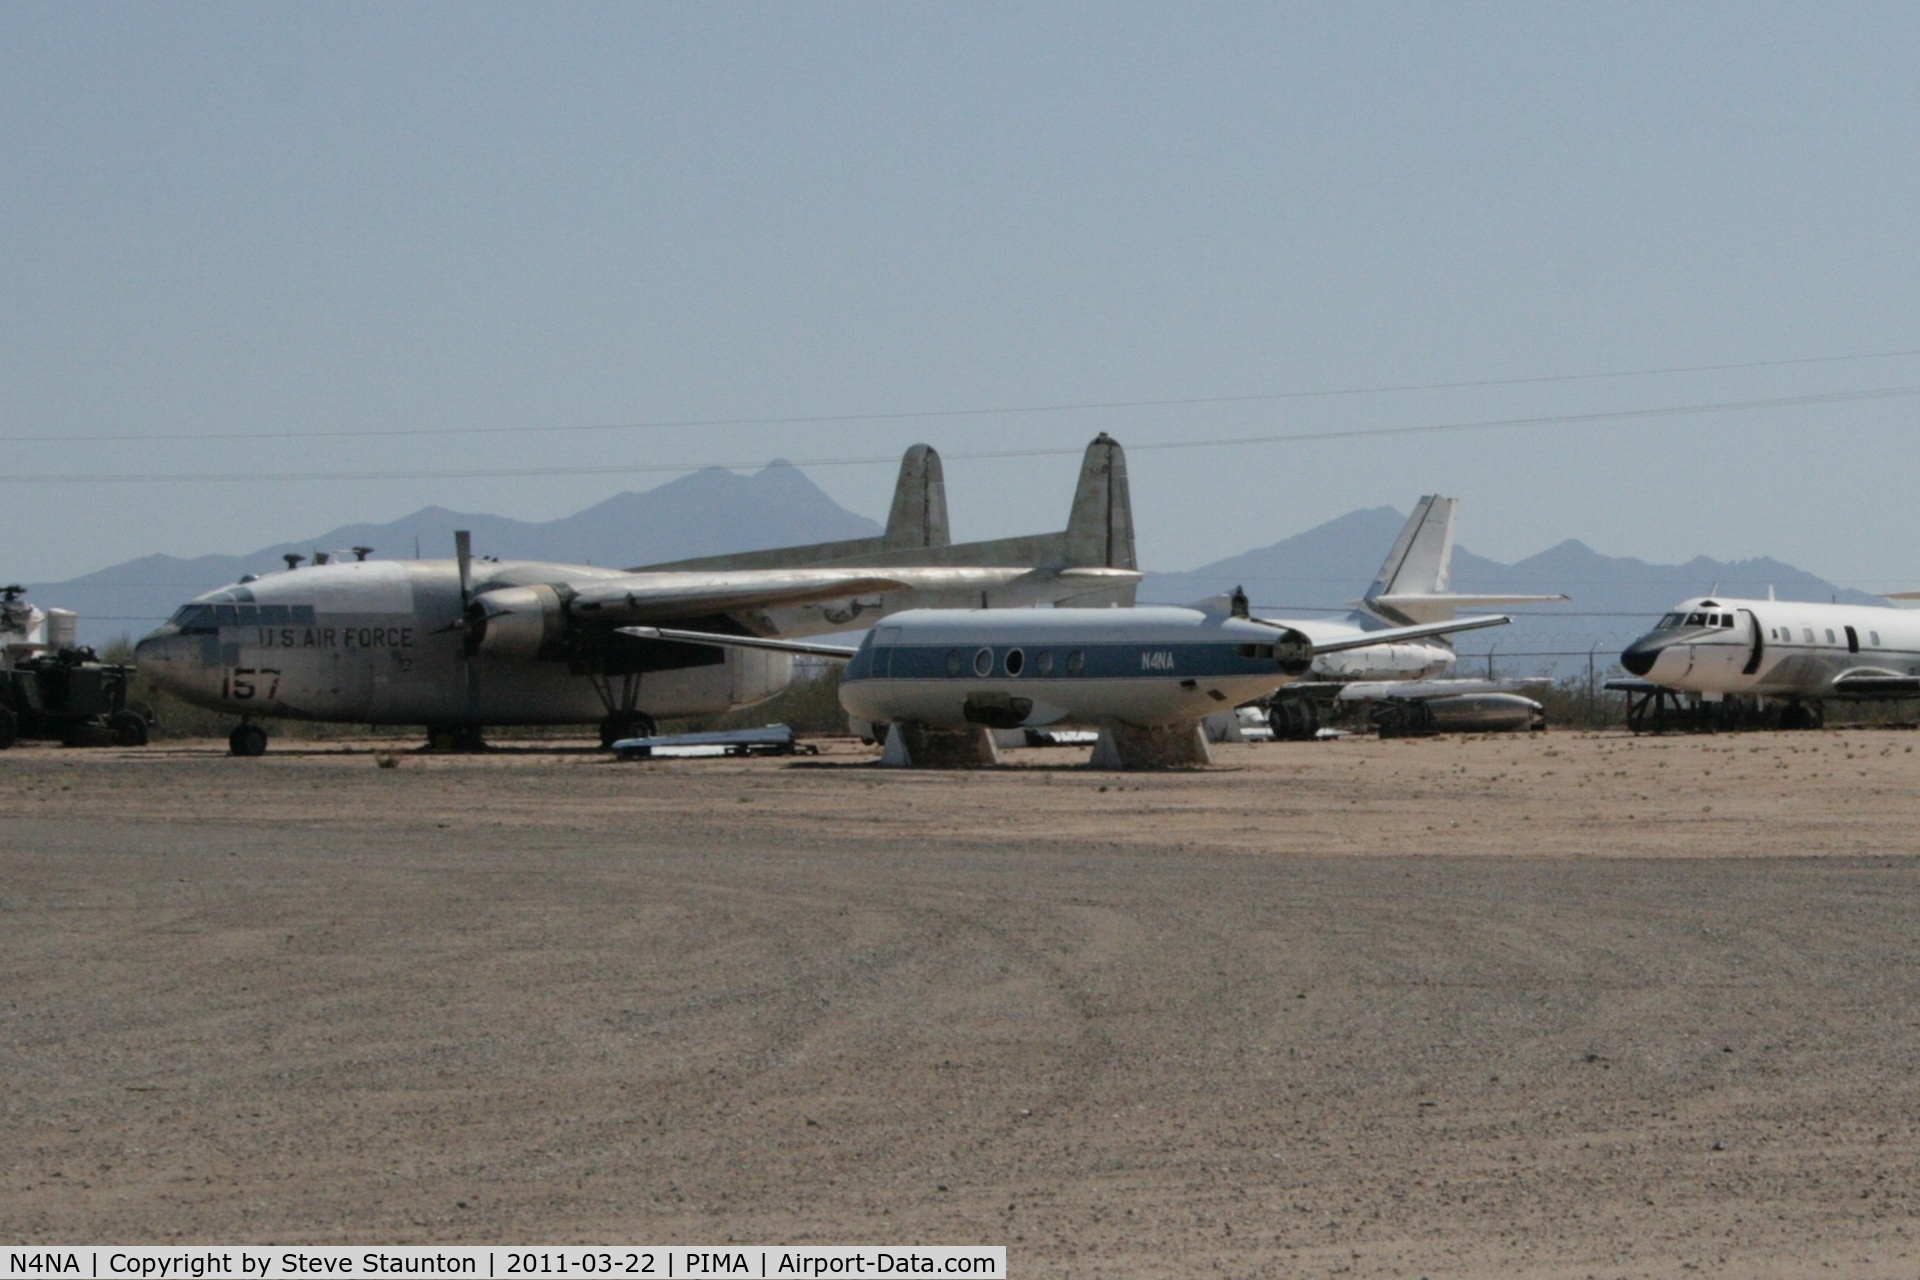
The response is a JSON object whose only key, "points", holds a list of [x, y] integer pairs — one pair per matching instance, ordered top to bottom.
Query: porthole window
{"points": [[1808, 631], [1875, 637], [1830, 639], [955, 661], [1043, 661], [983, 662], [1016, 662], [1076, 662]]}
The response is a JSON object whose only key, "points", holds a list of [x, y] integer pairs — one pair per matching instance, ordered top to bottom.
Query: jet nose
{"points": [[1638, 658]]}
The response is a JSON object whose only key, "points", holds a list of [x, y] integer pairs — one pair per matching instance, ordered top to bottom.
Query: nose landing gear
{"points": [[247, 739]]}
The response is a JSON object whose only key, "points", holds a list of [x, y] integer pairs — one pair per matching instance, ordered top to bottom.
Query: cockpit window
{"points": [[193, 617], [1696, 619], [1670, 621]]}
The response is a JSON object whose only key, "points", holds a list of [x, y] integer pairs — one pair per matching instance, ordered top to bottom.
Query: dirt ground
{"points": [[1570, 1006]]}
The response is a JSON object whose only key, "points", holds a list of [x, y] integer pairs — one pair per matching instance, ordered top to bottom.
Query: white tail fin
{"points": [[1421, 562], [1412, 587]]}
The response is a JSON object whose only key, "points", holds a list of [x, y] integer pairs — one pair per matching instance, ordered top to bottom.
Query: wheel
{"points": [[9, 728], [614, 728], [129, 729], [247, 740]]}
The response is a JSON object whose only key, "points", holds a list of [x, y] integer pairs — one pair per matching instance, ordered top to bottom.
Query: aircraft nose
{"points": [[154, 652], [1638, 658]]}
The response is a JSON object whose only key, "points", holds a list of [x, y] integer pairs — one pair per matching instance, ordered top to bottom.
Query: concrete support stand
{"points": [[1174, 746], [914, 747]]}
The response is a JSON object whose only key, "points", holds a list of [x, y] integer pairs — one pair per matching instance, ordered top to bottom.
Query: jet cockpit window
{"points": [[1696, 619], [1726, 619], [1671, 621]]}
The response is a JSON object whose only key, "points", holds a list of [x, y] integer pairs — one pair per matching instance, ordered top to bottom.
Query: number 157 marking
{"points": [[243, 683]]}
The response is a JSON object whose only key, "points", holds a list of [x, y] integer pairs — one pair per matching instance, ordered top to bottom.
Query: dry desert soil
{"points": [[1563, 1006]]}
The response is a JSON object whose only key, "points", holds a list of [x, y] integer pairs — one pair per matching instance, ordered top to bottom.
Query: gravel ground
{"points": [[1561, 1007]]}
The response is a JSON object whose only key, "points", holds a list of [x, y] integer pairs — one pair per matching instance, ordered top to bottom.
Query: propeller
{"points": [[463, 552], [466, 623]]}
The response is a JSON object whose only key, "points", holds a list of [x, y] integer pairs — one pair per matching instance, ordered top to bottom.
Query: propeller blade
{"points": [[463, 552]]}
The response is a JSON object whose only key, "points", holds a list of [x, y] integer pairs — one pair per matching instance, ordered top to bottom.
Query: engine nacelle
{"points": [[517, 623]]}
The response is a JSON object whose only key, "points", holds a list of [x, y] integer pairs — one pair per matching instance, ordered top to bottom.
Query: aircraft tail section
{"points": [[919, 514], [917, 522], [1100, 525], [1098, 536], [1421, 562], [1413, 586]]}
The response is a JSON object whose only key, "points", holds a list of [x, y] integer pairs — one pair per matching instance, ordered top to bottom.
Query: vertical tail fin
{"points": [[919, 515], [1100, 526], [1421, 562]]}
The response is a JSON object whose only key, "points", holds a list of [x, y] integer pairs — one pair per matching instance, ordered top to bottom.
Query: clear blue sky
{"points": [[253, 219]]}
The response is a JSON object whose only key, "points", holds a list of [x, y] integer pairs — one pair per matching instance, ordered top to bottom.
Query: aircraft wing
{"points": [[664, 596], [1401, 600], [1395, 635], [833, 652], [1633, 686]]}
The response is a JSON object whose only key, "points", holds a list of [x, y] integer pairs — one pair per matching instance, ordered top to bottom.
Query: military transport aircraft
{"points": [[464, 643], [933, 680]]}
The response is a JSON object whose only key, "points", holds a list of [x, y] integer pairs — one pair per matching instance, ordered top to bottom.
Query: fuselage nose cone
{"points": [[152, 649], [1640, 656]]}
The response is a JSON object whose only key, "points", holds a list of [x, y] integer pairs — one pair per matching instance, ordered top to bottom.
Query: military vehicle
{"points": [[51, 687]]}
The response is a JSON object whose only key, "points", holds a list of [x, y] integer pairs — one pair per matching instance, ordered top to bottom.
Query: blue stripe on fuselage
{"points": [[1095, 661]]}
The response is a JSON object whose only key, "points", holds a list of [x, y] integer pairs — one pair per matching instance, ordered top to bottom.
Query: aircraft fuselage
{"points": [[1718, 646]]}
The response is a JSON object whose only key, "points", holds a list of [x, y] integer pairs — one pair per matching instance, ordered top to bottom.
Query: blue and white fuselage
{"points": [[948, 669]]}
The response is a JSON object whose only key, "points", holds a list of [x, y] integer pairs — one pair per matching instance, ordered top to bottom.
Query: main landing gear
{"points": [[625, 724]]}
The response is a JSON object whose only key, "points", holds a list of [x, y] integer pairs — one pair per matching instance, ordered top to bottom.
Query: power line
{"points": [[930, 414], [1570, 419]]}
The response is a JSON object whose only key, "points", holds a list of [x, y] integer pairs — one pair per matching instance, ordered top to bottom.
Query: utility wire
{"points": [[1088, 406], [1570, 419]]}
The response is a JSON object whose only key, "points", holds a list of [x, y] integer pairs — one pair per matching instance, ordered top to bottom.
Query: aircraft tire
{"points": [[9, 728], [614, 728], [129, 729], [247, 740]]}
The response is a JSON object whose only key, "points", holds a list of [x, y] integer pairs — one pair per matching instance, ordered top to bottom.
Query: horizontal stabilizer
{"points": [[832, 652]]}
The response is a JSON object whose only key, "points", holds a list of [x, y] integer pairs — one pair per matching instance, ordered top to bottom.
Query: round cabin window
{"points": [[955, 661], [1043, 661], [983, 662], [1016, 662], [1076, 662]]}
